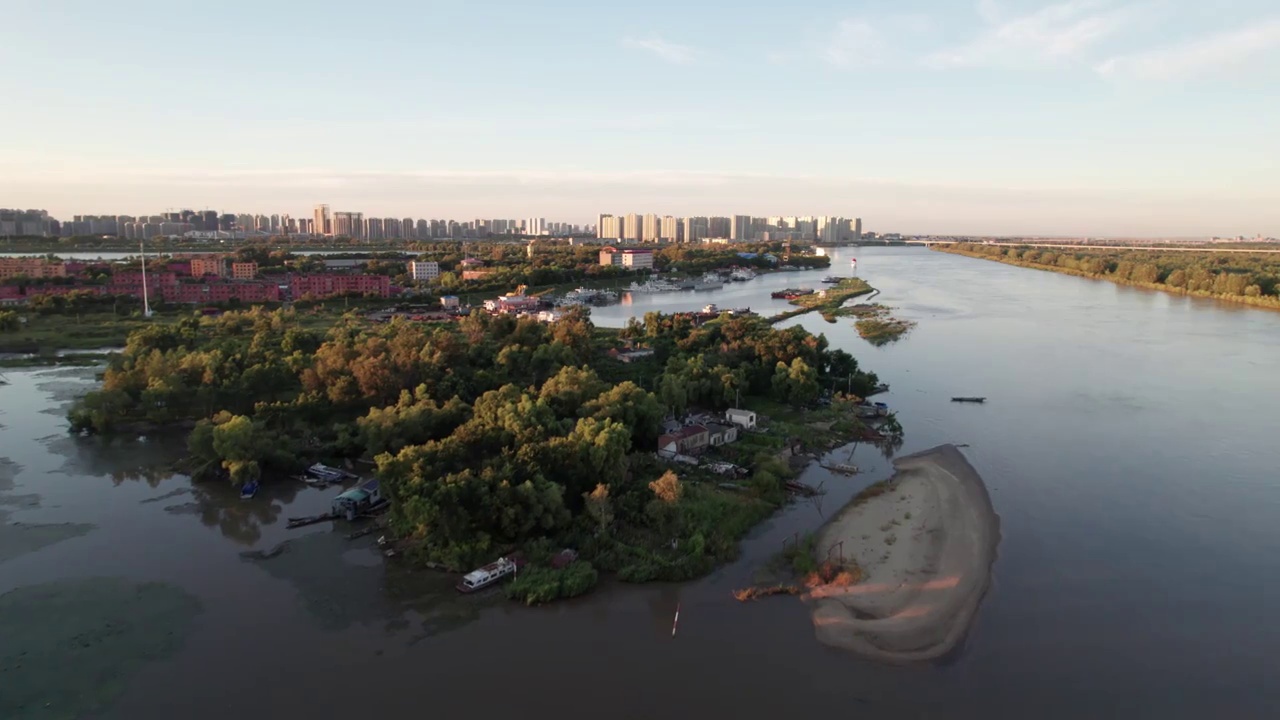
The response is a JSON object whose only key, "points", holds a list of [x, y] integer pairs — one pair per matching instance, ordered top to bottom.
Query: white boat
{"points": [[742, 274], [710, 281], [654, 286], [482, 578]]}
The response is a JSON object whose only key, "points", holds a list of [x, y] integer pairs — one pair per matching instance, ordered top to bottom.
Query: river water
{"points": [[1128, 442]]}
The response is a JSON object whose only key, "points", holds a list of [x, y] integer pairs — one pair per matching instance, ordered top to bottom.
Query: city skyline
{"points": [[1037, 117]]}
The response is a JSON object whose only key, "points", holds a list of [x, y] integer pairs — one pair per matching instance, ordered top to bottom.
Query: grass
{"points": [[828, 301], [882, 331], [43, 334]]}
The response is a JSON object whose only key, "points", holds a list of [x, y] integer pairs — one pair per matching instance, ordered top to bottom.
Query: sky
{"points": [[1075, 117]]}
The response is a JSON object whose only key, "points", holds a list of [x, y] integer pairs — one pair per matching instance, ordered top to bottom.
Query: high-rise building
{"points": [[323, 224], [346, 224], [535, 226], [609, 227], [633, 227], [718, 227], [406, 228], [652, 228], [695, 228], [740, 228], [857, 229], [424, 230], [670, 231]]}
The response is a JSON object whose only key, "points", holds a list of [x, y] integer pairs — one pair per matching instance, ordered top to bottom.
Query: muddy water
{"points": [[1128, 443]]}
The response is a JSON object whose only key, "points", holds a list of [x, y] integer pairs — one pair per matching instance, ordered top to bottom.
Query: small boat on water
{"points": [[742, 275], [831, 279], [969, 399], [844, 468], [248, 490], [483, 577]]}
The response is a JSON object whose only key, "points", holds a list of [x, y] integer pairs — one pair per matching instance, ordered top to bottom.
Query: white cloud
{"points": [[1054, 33], [855, 44], [668, 51], [1199, 57]]}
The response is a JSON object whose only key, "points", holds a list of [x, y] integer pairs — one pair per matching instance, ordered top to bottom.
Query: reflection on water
{"points": [[338, 593]]}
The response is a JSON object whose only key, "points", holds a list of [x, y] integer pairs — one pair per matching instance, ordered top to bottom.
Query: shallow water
{"points": [[1128, 443]]}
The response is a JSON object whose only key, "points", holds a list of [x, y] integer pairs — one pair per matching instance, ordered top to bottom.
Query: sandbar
{"points": [[926, 546]]}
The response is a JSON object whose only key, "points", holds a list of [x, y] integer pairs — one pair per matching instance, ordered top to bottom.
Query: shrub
{"points": [[537, 585]]}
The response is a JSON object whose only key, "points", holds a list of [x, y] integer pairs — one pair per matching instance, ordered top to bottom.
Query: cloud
{"points": [[1054, 33], [855, 44], [668, 51], [1198, 57]]}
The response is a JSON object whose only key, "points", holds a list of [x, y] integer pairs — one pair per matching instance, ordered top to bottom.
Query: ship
{"points": [[710, 281], [654, 286], [483, 577]]}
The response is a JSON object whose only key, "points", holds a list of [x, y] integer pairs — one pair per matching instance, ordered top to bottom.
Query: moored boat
{"points": [[969, 399], [249, 489], [483, 577]]}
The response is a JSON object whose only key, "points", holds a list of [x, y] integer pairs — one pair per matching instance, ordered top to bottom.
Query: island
{"points": [[493, 434], [921, 545]]}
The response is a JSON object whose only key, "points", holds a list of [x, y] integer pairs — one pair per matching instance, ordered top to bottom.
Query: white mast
{"points": [[146, 304]]}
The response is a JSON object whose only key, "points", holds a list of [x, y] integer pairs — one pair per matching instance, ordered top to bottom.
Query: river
{"points": [[1128, 442]]}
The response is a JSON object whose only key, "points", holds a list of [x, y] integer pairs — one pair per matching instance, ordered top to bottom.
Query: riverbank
{"points": [[1099, 272], [925, 542]]}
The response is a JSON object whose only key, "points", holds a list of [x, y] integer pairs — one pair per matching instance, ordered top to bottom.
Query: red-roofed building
{"points": [[685, 441]]}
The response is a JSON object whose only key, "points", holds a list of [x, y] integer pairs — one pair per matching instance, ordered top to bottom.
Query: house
{"points": [[450, 302], [744, 419], [718, 435], [685, 441], [357, 500]]}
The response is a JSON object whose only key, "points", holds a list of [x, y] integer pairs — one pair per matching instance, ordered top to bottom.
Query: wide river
{"points": [[1129, 442]]}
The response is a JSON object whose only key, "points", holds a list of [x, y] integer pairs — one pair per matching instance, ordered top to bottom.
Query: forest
{"points": [[1253, 279], [489, 433]]}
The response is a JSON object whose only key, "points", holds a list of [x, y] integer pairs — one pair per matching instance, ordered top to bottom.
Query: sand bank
{"points": [[926, 547]]}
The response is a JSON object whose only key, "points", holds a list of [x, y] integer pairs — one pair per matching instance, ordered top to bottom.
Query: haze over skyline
{"points": [[1081, 117]]}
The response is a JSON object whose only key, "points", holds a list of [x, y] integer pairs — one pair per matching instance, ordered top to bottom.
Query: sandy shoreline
{"points": [[926, 548]]}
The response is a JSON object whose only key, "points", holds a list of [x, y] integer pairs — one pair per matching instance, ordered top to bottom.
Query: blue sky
{"points": [[1001, 116]]}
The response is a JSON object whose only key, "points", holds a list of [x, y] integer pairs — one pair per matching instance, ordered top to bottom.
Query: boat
{"points": [[742, 275], [831, 279], [710, 281], [654, 286], [710, 309], [969, 399], [873, 410], [845, 468], [248, 490], [483, 577]]}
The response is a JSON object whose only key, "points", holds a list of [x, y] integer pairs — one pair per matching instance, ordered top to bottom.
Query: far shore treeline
{"points": [[1253, 279], [489, 433]]}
